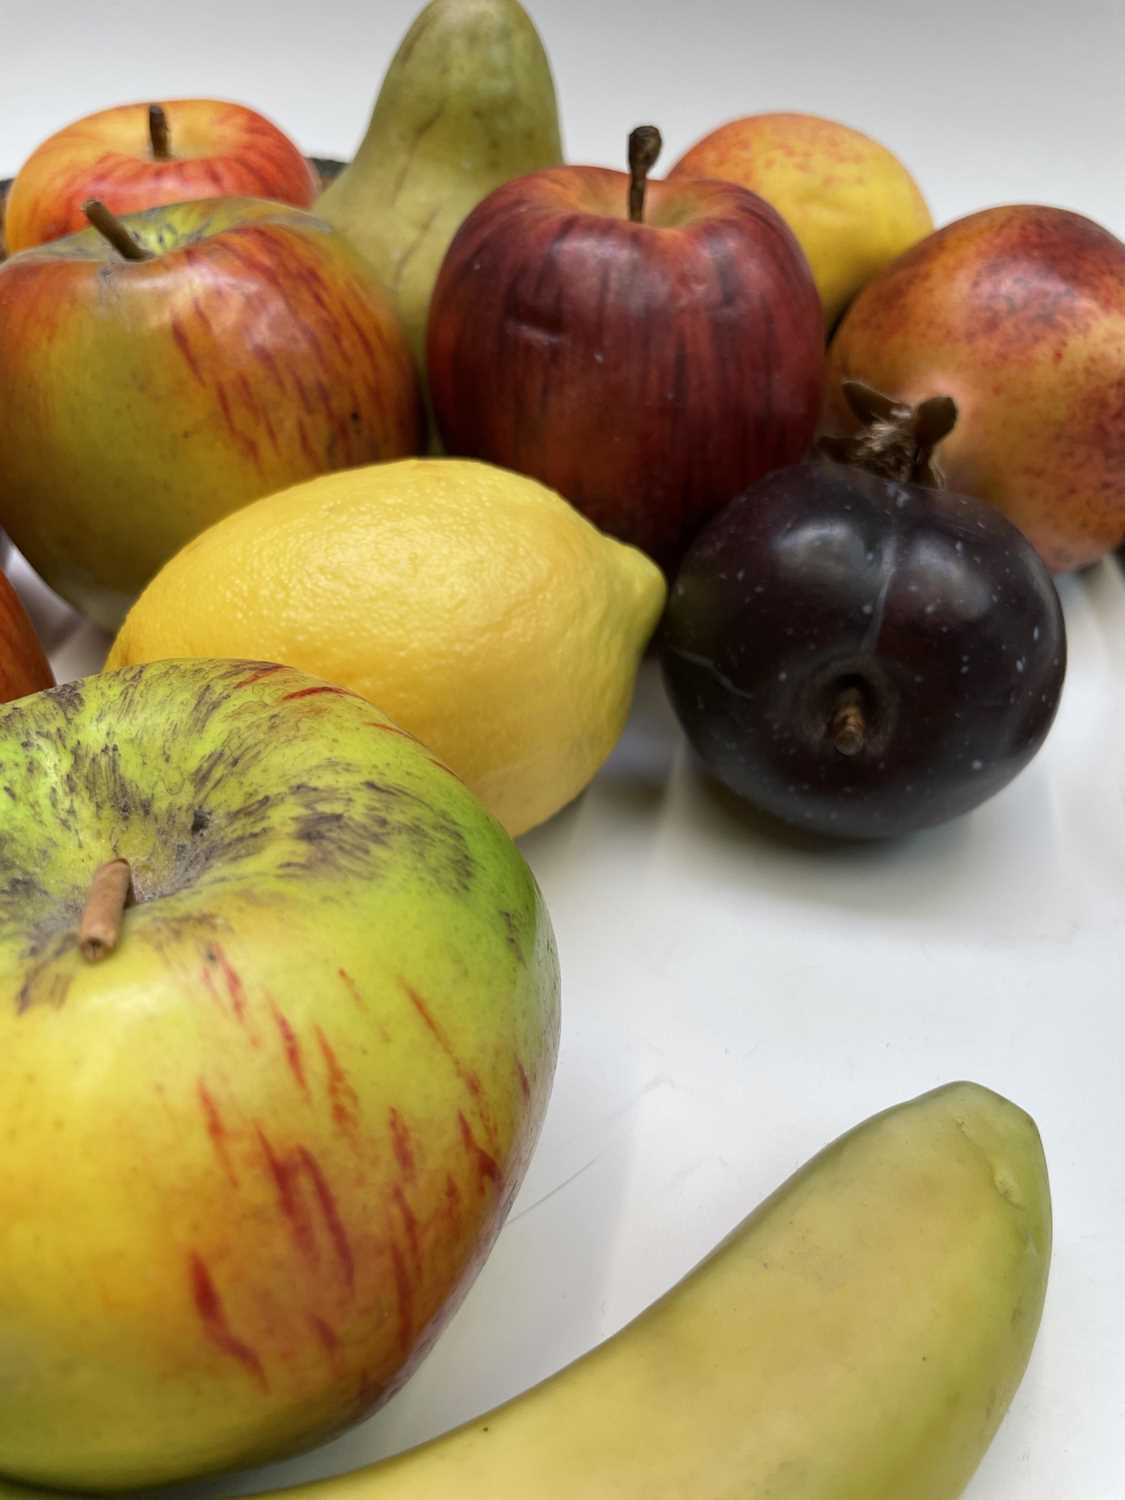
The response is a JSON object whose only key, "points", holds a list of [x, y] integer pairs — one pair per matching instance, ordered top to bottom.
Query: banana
{"points": [[858, 1337]]}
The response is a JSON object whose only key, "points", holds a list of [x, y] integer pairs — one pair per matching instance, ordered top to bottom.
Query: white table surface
{"points": [[734, 997]]}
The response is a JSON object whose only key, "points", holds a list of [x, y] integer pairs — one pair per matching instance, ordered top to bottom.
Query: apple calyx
{"points": [[159, 134], [645, 142], [110, 227], [895, 439], [104, 912]]}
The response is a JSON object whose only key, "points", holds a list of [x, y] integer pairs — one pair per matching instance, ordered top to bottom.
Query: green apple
{"points": [[166, 368], [254, 1156]]}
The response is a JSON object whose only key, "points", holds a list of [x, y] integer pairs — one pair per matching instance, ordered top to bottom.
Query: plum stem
{"points": [[160, 136], [645, 142], [110, 227], [894, 439], [847, 728], [104, 912]]}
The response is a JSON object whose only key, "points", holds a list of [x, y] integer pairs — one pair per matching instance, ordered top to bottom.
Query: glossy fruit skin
{"points": [[219, 149], [1018, 313], [649, 371], [930, 604], [24, 667]]}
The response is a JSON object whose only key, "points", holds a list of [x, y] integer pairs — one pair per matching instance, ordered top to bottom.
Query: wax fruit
{"points": [[467, 102], [139, 155], [851, 203], [1018, 314], [645, 354], [199, 356], [483, 612], [858, 653], [24, 667], [254, 1156], [858, 1337]]}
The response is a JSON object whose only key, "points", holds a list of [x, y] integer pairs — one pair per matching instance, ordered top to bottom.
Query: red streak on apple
{"points": [[183, 344], [260, 673], [312, 692], [353, 988], [235, 990], [291, 1044], [466, 1075], [525, 1086], [345, 1100], [216, 1130], [401, 1144], [486, 1165], [287, 1179], [452, 1203], [331, 1213], [409, 1223], [405, 1292], [209, 1306], [328, 1337]]}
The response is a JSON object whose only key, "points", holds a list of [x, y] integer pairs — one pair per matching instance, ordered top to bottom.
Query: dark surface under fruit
{"points": [[924, 617]]}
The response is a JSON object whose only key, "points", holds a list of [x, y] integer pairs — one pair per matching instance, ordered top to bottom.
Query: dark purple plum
{"points": [[862, 655]]}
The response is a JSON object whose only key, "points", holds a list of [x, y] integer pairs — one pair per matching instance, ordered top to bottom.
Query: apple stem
{"points": [[159, 134], [644, 147], [110, 227], [847, 729], [104, 911]]}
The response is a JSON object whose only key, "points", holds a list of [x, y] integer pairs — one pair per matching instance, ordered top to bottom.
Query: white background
{"points": [[735, 997]]}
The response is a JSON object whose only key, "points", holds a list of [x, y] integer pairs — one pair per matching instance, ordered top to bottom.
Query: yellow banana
{"points": [[858, 1337]]}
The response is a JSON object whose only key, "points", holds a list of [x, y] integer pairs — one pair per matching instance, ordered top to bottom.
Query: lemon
{"points": [[851, 203], [474, 606]]}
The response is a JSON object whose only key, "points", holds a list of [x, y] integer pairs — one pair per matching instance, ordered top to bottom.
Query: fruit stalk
{"points": [[160, 137], [645, 142], [110, 227], [104, 912]]}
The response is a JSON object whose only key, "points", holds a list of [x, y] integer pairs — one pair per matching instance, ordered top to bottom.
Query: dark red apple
{"points": [[648, 359], [24, 667]]}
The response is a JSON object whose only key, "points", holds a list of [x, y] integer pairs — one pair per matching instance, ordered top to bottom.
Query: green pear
{"points": [[467, 103]]}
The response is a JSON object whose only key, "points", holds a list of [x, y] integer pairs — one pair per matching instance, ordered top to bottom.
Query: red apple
{"points": [[140, 155], [1018, 313], [203, 355], [647, 358], [23, 665]]}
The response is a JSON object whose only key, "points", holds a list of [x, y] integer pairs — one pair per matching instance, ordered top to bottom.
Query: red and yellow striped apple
{"points": [[139, 155], [203, 355], [648, 357], [254, 1156]]}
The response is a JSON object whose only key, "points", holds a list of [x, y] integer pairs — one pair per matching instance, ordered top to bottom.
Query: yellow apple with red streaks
{"points": [[136, 156], [205, 354], [255, 1155]]}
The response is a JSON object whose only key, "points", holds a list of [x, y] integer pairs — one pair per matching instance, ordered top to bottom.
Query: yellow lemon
{"points": [[851, 203], [474, 606]]}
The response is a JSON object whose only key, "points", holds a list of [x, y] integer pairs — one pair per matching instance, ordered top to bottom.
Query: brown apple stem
{"points": [[159, 134], [644, 147], [110, 227], [847, 729], [104, 911]]}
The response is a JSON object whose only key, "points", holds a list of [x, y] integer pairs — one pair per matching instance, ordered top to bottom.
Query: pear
{"points": [[467, 103]]}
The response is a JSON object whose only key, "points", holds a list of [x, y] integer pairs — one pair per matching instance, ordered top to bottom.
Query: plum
{"points": [[860, 653]]}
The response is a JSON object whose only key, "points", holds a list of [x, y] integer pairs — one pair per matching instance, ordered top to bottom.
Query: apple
{"points": [[138, 155], [851, 203], [1018, 314], [647, 351], [169, 367], [24, 667], [260, 1128]]}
